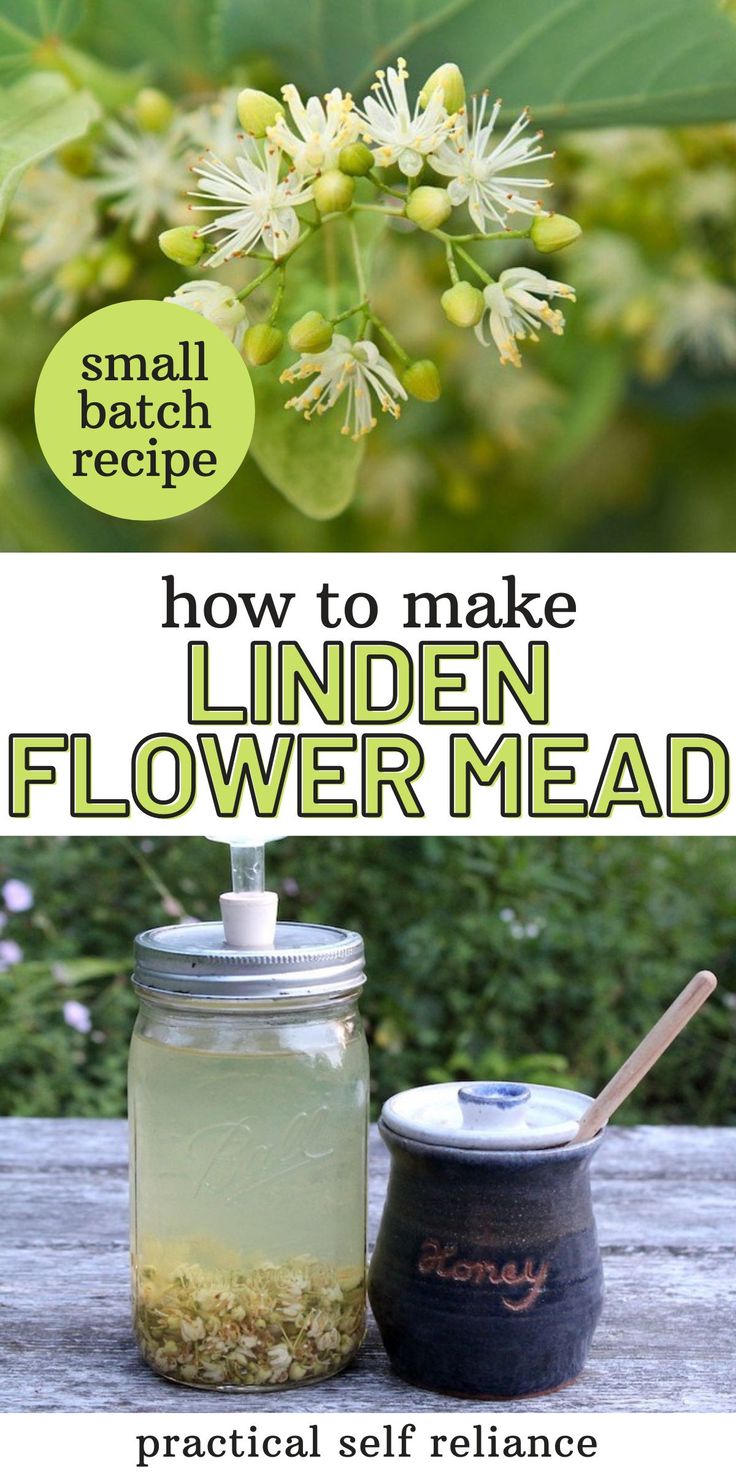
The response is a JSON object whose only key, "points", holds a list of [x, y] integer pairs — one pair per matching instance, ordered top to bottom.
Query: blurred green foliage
{"points": [[545, 959]]}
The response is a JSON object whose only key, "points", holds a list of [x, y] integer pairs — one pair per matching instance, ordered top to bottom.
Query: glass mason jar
{"points": [[248, 1104]]}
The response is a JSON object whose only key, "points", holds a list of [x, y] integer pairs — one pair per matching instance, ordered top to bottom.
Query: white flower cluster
{"points": [[298, 164], [262, 193], [259, 199], [516, 305], [356, 369], [300, 1321]]}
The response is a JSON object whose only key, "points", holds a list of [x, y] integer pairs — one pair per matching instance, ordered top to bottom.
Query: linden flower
{"points": [[214, 127], [322, 129], [401, 136], [480, 173], [144, 175], [708, 194], [257, 204], [57, 218], [57, 222], [615, 277], [216, 302], [516, 305], [698, 321], [356, 368], [231, 1328], [191, 1330], [279, 1358]]}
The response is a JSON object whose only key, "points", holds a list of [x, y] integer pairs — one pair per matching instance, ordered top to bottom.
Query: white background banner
{"points": [[483, 1437]]}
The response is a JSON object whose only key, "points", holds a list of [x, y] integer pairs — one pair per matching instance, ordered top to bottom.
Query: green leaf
{"points": [[23, 23], [37, 42], [576, 63], [112, 87], [37, 116], [595, 376], [312, 464], [31, 515], [88, 968]]}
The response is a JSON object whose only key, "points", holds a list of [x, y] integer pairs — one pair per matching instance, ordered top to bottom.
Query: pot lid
{"points": [[487, 1116]]}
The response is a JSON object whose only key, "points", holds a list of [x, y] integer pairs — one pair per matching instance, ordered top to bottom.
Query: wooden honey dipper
{"points": [[650, 1048]]}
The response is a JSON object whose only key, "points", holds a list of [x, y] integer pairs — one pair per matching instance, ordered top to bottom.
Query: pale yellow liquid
{"points": [[244, 1162]]}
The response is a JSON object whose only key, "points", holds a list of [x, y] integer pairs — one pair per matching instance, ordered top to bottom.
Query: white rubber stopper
{"points": [[249, 918]]}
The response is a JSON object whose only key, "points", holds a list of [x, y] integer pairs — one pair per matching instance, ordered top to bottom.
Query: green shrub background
{"points": [[603, 933]]}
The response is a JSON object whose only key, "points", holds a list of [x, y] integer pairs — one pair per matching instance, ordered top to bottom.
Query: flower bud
{"points": [[450, 78], [153, 110], [258, 111], [77, 157], [355, 159], [333, 191], [428, 207], [554, 232], [182, 245], [115, 269], [76, 275], [463, 304], [638, 316], [311, 334], [262, 343], [422, 380]]}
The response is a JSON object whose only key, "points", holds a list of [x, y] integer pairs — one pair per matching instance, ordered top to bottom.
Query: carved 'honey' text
{"points": [[438, 1261]]}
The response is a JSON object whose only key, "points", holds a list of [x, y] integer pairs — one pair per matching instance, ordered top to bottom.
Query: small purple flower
{"points": [[17, 895], [10, 952], [76, 1015]]}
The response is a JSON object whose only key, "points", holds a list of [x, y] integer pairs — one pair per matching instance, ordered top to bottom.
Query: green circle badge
{"points": [[144, 410]]}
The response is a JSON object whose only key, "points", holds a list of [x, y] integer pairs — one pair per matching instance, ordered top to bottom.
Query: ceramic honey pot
{"points": [[486, 1279]]}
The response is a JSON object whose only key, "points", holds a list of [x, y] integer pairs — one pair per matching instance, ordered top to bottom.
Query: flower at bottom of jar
{"points": [[267, 1326]]}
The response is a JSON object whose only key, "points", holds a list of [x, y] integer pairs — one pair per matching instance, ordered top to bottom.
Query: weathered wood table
{"points": [[666, 1209]]}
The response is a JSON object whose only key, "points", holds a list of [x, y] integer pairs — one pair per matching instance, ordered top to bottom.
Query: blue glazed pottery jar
{"points": [[486, 1279]]}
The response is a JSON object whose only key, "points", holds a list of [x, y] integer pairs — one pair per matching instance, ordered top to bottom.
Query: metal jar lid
{"points": [[305, 962], [487, 1116]]}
